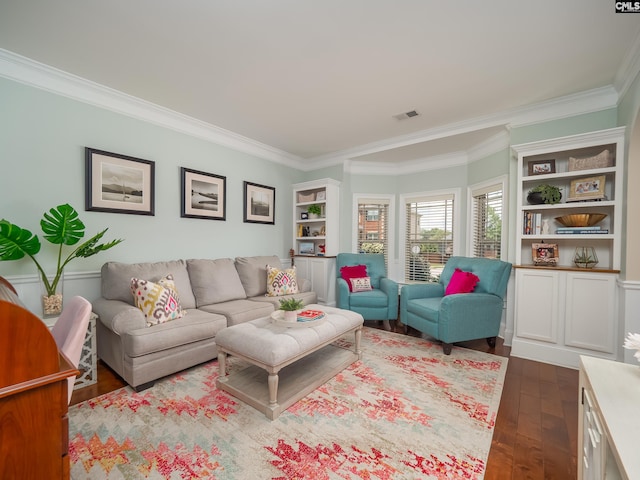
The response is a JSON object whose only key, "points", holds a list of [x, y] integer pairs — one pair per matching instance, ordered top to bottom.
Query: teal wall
{"points": [[42, 141]]}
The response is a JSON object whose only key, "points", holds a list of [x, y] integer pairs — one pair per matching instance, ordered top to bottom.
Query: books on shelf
{"points": [[532, 223], [581, 230], [310, 315]]}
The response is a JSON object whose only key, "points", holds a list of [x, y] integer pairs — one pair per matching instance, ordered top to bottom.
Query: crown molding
{"points": [[629, 68], [29, 72]]}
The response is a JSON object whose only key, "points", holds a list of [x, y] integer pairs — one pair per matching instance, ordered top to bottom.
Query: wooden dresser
{"points": [[34, 429]]}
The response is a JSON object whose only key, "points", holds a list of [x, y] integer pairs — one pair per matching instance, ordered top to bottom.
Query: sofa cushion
{"points": [[353, 271], [253, 273], [116, 279], [214, 281], [281, 282], [461, 282], [360, 284], [306, 297], [160, 302], [240, 311], [193, 327]]}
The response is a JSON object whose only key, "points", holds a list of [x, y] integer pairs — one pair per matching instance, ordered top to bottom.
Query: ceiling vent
{"points": [[405, 115]]}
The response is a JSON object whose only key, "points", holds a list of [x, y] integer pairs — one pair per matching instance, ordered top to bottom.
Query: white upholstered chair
{"points": [[70, 331]]}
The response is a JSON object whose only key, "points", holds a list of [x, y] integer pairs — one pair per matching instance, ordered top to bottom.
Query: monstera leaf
{"points": [[61, 226], [16, 242]]}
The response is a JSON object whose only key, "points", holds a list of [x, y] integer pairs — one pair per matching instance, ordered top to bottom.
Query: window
{"points": [[373, 215], [486, 220], [373, 224], [429, 236]]}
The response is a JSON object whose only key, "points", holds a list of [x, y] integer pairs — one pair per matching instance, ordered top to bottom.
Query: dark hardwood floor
{"points": [[536, 430]]}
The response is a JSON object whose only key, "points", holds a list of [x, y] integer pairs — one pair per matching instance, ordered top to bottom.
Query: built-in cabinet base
{"points": [[321, 272], [562, 314]]}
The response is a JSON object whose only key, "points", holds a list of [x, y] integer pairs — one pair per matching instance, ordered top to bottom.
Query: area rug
{"points": [[405, 411]]}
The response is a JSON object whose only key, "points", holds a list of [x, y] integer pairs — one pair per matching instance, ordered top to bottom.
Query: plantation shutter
{"points": [[487, 222], [373, 226], [428, 236]]}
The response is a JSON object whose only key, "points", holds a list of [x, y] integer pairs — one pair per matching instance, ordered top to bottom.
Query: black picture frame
{"points": [[116, 183], [202, 195], [259, 203]]}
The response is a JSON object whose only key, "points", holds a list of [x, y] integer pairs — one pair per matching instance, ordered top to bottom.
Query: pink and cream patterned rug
{"points": [[405, 411]]}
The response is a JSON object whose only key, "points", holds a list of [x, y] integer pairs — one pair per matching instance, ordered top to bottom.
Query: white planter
{"points": [[291, 316]]}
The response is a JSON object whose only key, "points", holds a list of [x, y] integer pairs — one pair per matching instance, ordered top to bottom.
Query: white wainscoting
{"points": [[85, 284]]}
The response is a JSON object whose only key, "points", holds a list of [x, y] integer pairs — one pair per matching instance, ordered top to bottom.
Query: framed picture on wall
{"points": [[118, 183], [202, 195], [259, 203]]}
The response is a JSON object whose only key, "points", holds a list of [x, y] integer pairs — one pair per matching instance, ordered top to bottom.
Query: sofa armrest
{"points": [[390, 287], [421, 290], [118, 316]]}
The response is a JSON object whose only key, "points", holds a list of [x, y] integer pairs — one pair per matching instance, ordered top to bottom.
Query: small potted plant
{"points": [[544, 193], [314, 211], [61, 226], [291, 306]]}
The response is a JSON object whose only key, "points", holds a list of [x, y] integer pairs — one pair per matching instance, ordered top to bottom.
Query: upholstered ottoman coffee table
{"points": [[297, 358]]}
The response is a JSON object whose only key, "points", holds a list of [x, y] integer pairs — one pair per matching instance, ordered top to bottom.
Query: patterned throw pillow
{"points": [[281, 282], [362, 284], [158, 301]]}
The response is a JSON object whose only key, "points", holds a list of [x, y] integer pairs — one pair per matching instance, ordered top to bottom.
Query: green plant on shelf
{"points": [[550, 194], [314, 209], [291, 304]]}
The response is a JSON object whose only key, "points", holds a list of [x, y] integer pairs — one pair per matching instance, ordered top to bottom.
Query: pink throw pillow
{"points": [[353, 271], [461, 282]]}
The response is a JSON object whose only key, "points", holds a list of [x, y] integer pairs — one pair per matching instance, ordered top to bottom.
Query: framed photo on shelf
{"points": [[542, 167], [118, 183], [589, 188], [203, 195], [321, 196], [259, 203], [304, 216], [306, 248], [544, 254]]}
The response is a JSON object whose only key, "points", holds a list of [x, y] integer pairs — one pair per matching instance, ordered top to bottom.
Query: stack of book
{"points": [[532, 223], [581, 230], [310, 315]]}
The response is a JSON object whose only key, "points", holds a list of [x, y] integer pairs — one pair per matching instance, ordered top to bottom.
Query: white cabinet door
{"points": [[321, 272], [537, 304], [590, 311]]}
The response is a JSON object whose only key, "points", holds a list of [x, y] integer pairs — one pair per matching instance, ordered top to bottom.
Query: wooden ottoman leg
{"points": [[358, 339], [222, 366], [273, 389]]}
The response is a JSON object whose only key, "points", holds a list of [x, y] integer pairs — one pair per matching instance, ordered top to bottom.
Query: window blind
{"points": [[487, 222], [373, 227]]}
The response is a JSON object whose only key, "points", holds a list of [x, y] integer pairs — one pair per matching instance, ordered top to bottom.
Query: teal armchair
{"points": [[379, 303], [463, 316]]}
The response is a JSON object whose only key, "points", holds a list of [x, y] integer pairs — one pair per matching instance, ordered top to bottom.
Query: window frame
{"points": [[477, 189], [427, 196], [375, 198]]}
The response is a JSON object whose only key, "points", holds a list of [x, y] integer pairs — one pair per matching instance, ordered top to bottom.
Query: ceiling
{"points": [[321, 81]]}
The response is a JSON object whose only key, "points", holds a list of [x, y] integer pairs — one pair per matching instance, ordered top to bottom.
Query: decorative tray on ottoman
{"points": [[306, 318]]}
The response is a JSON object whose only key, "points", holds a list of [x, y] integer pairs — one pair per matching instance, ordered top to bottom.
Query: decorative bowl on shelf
{"points": [[581, 219]]}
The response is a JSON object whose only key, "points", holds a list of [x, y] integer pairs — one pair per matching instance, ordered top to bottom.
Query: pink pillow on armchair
{"points": [[353, 271], [461, 282]]}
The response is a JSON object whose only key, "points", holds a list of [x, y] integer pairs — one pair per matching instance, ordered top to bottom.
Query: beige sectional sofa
{"points": [[214, 293]]}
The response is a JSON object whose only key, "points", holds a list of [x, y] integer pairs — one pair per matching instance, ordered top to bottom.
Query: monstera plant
{"points": [[61, 226]]}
